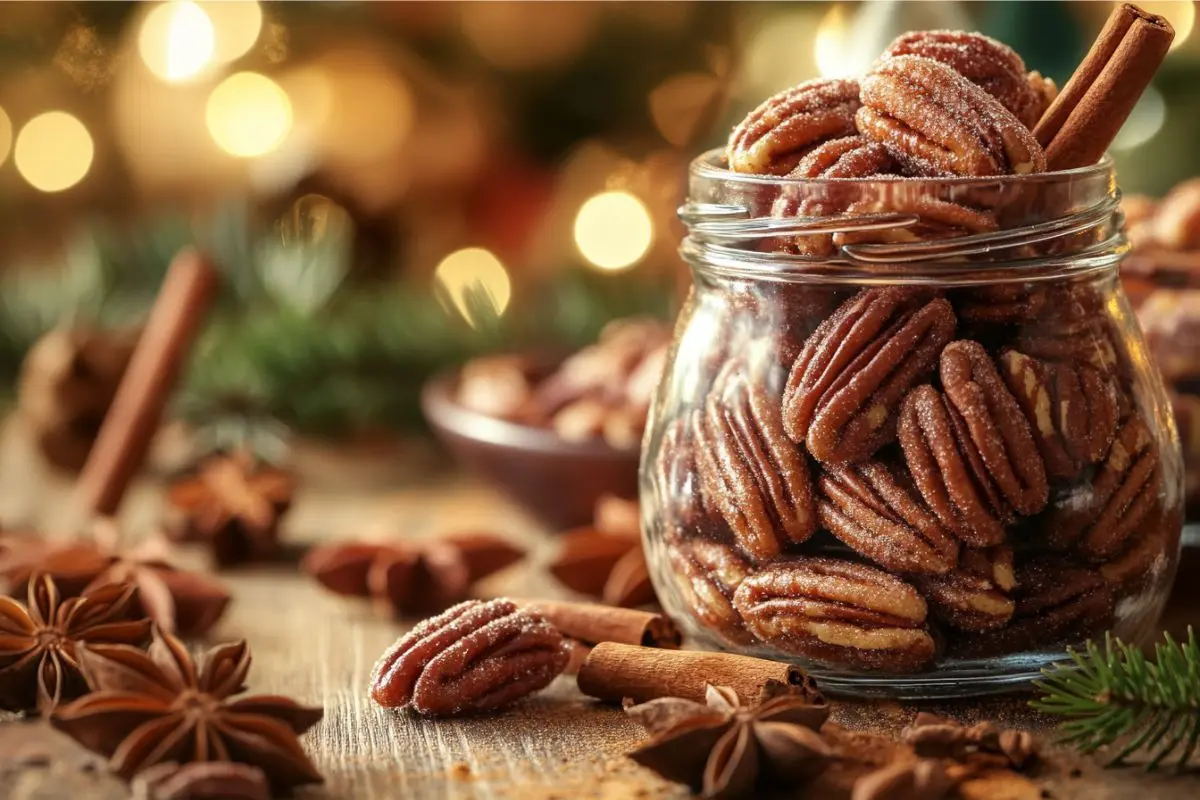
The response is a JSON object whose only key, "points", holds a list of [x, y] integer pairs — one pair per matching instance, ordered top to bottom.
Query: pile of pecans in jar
{"points": [[601, 392], [933, 473]]}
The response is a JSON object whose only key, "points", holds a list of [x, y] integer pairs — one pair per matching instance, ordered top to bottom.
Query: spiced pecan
{"points": [[991, 65], [1046, 92], [936, 122], [774, 137], [848, 157], [937, 218], [1177, 221], [1005, 303], [1072, 329], [844, 389], [1071, 408], [996, 428], [749, 468], [948, 470], [680, 498], [873, 512], [1099, 517], [1147, 555], [707, 574], [973, 597], [838, 612], [477, 656], [932, 736], [924, 779]]}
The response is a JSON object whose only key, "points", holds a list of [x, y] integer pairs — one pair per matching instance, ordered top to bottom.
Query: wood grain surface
{"points": [[320, 649]]}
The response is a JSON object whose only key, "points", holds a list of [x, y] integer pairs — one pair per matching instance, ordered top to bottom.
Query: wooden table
{"points": [[320, 649]]}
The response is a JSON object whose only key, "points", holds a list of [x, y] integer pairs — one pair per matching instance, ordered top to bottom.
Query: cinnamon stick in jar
{"points": [[1085, 117], [125, 435], [592, 623], [613, 672]]}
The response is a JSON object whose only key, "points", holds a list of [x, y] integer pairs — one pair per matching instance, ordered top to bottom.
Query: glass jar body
{"points": [[919, 482]]}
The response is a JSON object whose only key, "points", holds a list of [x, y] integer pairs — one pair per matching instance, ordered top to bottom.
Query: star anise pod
{"points": [[234, 503], [606, 559], [73, 563], [411, 579], [40, 641], [154, 707], [724, 750], [209, 780]]}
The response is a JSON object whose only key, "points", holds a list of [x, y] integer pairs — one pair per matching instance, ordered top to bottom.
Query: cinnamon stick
{"points": [[1085, 117], [128, 428], [592, 623], [613, 672]]}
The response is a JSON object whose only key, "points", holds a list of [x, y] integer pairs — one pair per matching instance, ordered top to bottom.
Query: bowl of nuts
{"points": [[554, 434]]}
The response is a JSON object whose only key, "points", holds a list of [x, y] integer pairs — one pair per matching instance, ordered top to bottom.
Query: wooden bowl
{"points": [[555, 480]]}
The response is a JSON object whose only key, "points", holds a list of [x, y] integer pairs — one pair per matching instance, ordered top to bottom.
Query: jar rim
{"points": [[707, 166]]}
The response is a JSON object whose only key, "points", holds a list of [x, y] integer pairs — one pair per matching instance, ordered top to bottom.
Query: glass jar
{"points": [[909, 435]]}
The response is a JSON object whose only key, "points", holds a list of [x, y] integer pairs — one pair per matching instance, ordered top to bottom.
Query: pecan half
{"points": [[992, 66], [936, 122], [774, 137], [848, 157], [939, 219], [1002, 304], [1073, 330], [844, 389], [1072, 409], [997, 428], [750, 470], [948, 470], [680, 498], [870, 510], [1099, 517], [1148, 554], [707, 574], [974, 596], [838, 612], [477, 656]]}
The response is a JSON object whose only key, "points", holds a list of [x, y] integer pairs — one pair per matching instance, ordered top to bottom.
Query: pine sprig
{"points": [[1114, 696]]}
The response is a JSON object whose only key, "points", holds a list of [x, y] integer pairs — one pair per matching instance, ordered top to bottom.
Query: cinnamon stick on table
{"points": [[1085, 117], [133, 418], [592, 623], [614, 672]]}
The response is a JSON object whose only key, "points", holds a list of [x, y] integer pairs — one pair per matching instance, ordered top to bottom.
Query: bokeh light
{"points": [[1180, 13], [236, 25], [528, 35], [177, 41], [829, 45], [680, 105], [371, 110], [248, 114], [1146, 120], [5, 135], [54, 151], [613, 230], [471, 276]]}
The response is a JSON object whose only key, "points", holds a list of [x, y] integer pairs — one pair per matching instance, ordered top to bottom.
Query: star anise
{"points": [[234, 503], [606, 559], [73, 563], [411, 579], [40, 641], [154, 707], [724, 750], [209, 780]]}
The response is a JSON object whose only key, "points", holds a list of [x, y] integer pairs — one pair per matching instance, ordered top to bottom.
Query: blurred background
{"points": [[392, 188]]}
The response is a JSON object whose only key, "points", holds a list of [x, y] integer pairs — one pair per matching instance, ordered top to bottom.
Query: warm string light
{"points": [[236, 27], [182, 40], [829, 45], [248, 115], [1144, 122], [6, 135], [54, 151], [613, 230], [469, 275]]}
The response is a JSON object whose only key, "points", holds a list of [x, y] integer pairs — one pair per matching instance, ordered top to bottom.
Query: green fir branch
{"points": [[1115, 697]]}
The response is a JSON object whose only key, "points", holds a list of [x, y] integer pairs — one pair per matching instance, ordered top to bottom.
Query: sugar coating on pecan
{"points": [[991, 65], [936, 122], [774, 137], [848, 157], [937, 218], [1003, 304], [1072, 330], [847, 383], [1072, 409], [997, 428], [749, 468], [947, 469], [678, 484], [868, 508], [1147, 554], [707, 574], [974, 597], [838, 612], [477, 656]]}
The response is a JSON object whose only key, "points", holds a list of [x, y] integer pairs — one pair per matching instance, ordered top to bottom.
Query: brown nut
{"points": [[992, 66], [936, 122], [774, 137], [938, 219], [1177, 222], [1002, 304], [1171, 321], [1072, 330], [846, 385], [1071, 408], [997, 428], [749, 468], [948, 470], [680, 497], [870, 510], [1099, 517], [1148, 554], [707, 574], [974, 597], [838, 612], [477, 656]]}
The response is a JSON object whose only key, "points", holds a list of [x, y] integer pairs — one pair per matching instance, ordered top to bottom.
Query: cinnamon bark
{"points": [[1085, 117], [133, 418], [592, 623], [613, 672]]}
